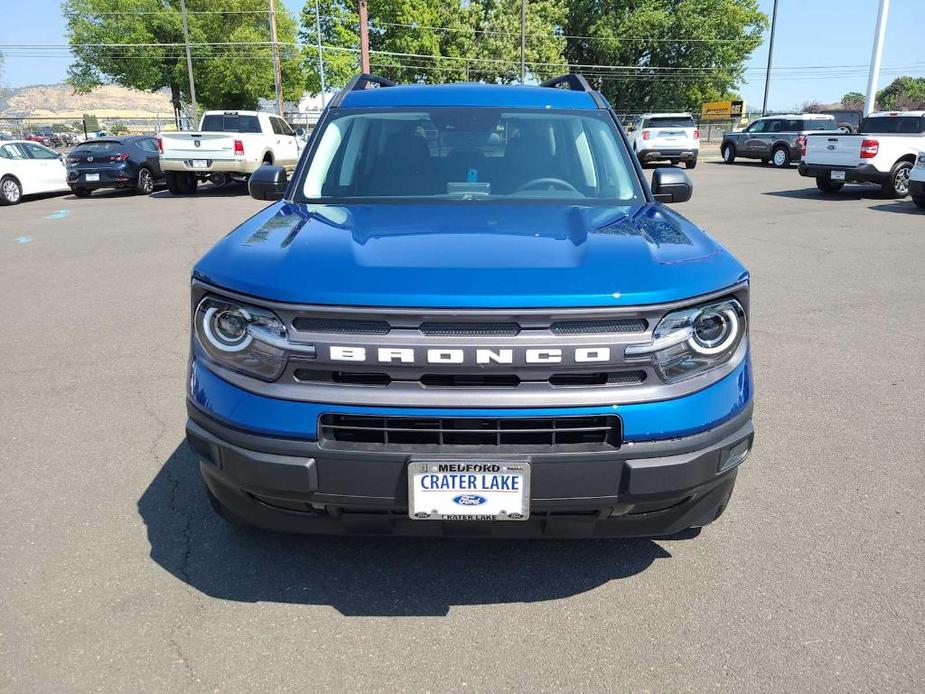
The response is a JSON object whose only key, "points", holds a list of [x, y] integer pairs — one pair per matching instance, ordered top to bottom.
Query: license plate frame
{"points": [[200, 163], [837, 175], [92, 178], [501, 505]]}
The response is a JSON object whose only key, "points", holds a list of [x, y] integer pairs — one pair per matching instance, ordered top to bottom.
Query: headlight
{"points": [[241, 337], [691, 341]]}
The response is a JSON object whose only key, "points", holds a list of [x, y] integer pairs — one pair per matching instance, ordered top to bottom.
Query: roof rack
{"points": [[576, 82], [359, 83]]}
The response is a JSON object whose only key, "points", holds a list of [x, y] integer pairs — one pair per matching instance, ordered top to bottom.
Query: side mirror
{"points": [[268, 183], [671, 185]]}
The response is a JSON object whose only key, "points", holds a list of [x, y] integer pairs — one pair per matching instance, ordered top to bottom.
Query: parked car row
{"points": [[229, 146], [885, 149]]}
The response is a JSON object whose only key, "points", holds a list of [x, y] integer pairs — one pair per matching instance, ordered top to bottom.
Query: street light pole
{"points": [[364, 37], [523, 41], [320, 55], [876, 57], [189, 64], [277, 72], [767, 76]]}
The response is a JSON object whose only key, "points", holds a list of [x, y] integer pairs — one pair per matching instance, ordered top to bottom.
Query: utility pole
{"points": [[364, 37], [523, 41], [320, 55], [876, 57], [189, 66], [277, 73], [767, 76]]}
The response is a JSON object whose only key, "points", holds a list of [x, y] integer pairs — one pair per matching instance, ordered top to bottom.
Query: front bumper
{"points": [[663, 154], [865, 173], [645, 488]]}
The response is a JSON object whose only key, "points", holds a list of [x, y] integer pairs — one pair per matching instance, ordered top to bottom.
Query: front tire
{"points": [[729, 154], [780, 158], [898, 184], [827, 185], [10, 191], [919, 201], [225, 513]]}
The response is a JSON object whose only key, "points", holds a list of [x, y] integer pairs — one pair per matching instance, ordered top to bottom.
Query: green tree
{"points": [[433, 40], [231, 53], [677, 53], [903, 93], [853, 100]]}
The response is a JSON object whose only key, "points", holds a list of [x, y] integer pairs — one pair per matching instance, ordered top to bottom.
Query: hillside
{"points": [[108, 101]]}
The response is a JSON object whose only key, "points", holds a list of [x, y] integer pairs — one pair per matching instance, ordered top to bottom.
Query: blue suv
{"points": [[467, 313]]}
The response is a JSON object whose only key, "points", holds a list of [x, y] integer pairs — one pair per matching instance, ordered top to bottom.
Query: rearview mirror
{"points": [[268, 183], [671, 185]]}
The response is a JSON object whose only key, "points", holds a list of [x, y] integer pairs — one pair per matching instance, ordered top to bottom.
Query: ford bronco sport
{"points": [[467, 313]]}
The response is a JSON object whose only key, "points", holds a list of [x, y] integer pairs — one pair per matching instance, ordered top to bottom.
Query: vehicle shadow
{"points": [[208, 191], [849, 193], [904, 206], [365, 576]]}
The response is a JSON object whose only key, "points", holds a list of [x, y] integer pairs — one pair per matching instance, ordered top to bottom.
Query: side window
{"points": [[274, 123], [775, 126], [757, 127], [284, 128], [146, 144], [12, 152], [38, 152]]}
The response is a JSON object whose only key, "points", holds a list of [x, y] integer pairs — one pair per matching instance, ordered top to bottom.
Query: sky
{"points": [[815, 33]]}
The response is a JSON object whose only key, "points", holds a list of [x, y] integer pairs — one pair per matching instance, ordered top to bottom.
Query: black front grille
{"points": [[341, 326], [599, 327], [470, 329], [588, 433]]}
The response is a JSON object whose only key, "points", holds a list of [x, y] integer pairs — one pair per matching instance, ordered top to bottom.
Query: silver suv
{"points": [[775, 139]]}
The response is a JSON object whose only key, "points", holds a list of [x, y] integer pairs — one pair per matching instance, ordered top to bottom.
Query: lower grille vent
{"points": [[589, 433]]}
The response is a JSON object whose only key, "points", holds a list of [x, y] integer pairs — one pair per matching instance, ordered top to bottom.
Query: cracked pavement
{"points": [[117, 576]]}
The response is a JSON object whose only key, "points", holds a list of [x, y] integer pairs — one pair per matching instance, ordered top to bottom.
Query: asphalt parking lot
{"points": [[116, 576]]}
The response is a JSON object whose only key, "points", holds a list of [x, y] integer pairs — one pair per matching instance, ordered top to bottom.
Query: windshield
{"points": [[670, 122], [230, 123], [893, 125], [470, 154]]}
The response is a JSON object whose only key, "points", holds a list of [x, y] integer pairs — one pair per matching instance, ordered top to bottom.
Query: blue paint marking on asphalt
{"points": [[60, 214], [23, 239]]}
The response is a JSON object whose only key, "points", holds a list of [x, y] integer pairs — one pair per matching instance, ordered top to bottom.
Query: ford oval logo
{"points": [[469, 500]]}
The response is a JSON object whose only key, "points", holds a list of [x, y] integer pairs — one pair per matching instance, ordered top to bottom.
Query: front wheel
{"points": [[729, 154], [780, 159], [898, 184], [827, 185], [10, 191], [919, 201]]}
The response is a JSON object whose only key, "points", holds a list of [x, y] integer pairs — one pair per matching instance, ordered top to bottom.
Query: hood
{"points": [[469, 255]]}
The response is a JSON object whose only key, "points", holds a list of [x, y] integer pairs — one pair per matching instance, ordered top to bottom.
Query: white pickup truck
{"points": [[229, 145], [884, 152]]}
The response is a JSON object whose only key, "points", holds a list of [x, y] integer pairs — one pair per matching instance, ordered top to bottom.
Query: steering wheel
{"points": [[552, 183]]}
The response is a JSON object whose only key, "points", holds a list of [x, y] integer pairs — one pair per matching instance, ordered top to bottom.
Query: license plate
{"points": [[200, 164], [838, 175], [91, 177], [469, 491]]}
